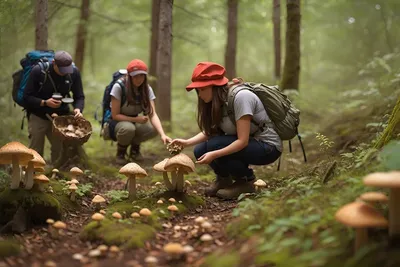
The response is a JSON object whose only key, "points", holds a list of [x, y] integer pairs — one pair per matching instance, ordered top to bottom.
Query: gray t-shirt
{"points": [[247, 103], [129, 110]]}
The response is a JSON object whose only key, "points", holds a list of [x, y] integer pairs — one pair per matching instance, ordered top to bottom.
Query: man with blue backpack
{"points": [[46, 95]]}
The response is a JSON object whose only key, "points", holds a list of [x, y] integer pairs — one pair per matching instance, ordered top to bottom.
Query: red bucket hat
{"points": [[136, 67], [207, 73]]}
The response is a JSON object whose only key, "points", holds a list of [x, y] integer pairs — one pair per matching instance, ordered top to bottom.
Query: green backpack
{"points": [[283, 114]]}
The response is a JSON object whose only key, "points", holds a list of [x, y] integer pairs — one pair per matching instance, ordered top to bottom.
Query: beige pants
{"points": [[38, 128], [128, 133]]}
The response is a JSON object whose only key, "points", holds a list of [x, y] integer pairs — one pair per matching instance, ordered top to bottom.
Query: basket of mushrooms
{"points": [[72, 130]]}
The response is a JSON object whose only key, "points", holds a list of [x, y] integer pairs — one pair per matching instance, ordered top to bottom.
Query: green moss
{"points": [[63, 198], [39, 205], [126, 233], [9, 248], [217, 259]]}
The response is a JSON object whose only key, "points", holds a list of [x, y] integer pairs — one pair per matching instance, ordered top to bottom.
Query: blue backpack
{"points": [[20, 77], [107, 97]]}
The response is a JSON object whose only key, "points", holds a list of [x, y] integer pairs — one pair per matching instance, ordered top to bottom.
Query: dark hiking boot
{"points": [[121, 152], [135, 154], [217, 184], [238, 187]]}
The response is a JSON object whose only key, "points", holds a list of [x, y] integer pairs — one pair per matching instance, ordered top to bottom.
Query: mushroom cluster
{"points": [[72, 131], [174, 148], [178, 166], [362, 213]]}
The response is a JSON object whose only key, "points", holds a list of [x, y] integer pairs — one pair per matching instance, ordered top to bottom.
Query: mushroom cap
{"points": [[15, 148], [37, 160], [180, 161], [160, 166], [133, 168], [38, 169], [55, 171], [76, 171], [41, 178], [383, 179], [74, 181], [158, 183], [188, 183], [260, 183], [73, 187], [374, 197], [98, 199], [171, 199], [160, 201], [173, 208], [145, 212], [117, 215], [135, 215], [360, 215], [97, 217], [50, 221], [59, 225], [206, 237], [102, 248], [173, 248], [114, 249], [150, 259]]}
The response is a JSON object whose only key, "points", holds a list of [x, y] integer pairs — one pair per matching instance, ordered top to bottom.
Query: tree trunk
{"points": [[155, 20], [276, 20], [41, 34], [81, 35], [230, 52], [164, 64], [291, 70], [394, 120]]}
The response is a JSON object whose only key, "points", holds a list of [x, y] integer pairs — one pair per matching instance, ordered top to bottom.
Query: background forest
{"points": [[348, 89]]}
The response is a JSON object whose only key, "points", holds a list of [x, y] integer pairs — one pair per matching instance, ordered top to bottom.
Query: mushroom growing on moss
{"points": [[16, 154], [36, 162], [181, 164], [160, 168], [132, 171], [75, 172], [54, 174], [40, 180], [389, 180], [97, 200], [117, 215], [360, 216], [98, 218]]}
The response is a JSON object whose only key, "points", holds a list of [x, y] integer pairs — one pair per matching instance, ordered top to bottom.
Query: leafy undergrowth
{"points": [[293, 219], [9, 247]]}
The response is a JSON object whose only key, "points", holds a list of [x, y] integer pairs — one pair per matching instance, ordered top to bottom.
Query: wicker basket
{"points": [[75, 131]]}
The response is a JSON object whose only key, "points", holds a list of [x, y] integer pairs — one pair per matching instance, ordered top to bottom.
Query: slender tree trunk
{"points": [[276, 19], [155, 20], [41, 34], [82, 35], [230, 52], [164, 64], [291, 70], [394, 120]]}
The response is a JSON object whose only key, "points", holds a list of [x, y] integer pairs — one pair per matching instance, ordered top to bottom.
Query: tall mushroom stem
{"points": [[16, 173], [29, 176], [174, 180], [179, 181], [167, 182], [132, 187], [394, 215], [361, 238]]}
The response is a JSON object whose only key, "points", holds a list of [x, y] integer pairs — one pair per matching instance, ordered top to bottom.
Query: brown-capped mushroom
{"points": [[16, 154], [36, 162], [179, 164], [160, 168], [132, 171], [75, 172], [54, 174], [39, 180], [389, 180], [259, 184], [73, 189], [373, 197], [97, 201], [173, 208], [117, 215], [135, 215], [360, 216], [97, 217], [59, 226], [174, 250]]}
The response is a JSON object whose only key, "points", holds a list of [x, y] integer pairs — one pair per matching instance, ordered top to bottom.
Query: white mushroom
{"points": [[132, 171]]}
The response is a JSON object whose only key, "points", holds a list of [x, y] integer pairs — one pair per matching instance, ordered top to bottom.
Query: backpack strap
{"points": [[45, 70], [123, 90], [233, 91]]}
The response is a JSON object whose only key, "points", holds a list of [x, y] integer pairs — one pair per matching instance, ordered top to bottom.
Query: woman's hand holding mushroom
{"points": [[166, 139], [179, 141], [207, 158]]}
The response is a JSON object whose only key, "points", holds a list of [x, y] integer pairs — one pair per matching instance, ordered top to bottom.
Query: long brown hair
{"points": [[143, 93], [209, 115]]}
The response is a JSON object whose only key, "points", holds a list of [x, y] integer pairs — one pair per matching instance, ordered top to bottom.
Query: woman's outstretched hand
{"points": [[166, 139], [180, 142], [206, 158]]}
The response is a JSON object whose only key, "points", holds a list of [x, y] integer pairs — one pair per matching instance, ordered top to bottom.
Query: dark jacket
{"points": [[33, 94]]}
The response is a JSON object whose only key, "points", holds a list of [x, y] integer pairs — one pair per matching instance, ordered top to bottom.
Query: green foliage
{"points": [[325, 144], [362, 155], [390, 155], [4, 180], [83, 189], [117, 195], [230, 260]]}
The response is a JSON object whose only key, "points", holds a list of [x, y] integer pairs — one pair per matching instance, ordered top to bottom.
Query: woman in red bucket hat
{"points": [[134, 117], [228, 148]]}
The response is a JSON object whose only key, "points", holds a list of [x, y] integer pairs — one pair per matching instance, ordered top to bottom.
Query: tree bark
{"points": [[155, 19], [276, 20], [41, 34], [82, 34], [230, 52], [164, 64], [291, 70], [394, 120]]}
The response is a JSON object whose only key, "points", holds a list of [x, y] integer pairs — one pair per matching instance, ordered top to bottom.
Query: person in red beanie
{"points": [[134, 116], [229, 149]]}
